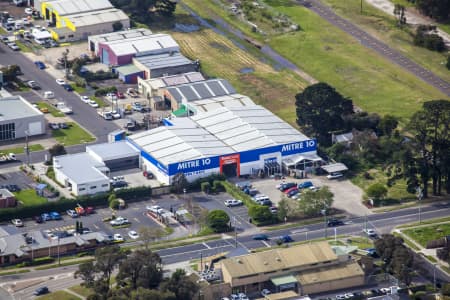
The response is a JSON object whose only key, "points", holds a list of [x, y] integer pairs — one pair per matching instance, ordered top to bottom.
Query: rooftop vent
{"points": [[278, 259]]}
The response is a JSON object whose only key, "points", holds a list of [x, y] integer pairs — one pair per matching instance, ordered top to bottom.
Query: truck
{"points": [[63, 108], [105, 115], [7, 158]]}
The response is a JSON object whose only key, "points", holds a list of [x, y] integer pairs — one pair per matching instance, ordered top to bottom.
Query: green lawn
{"points": [[405, 3], [384, 27], [23, 47], [330, 55], [78, 89], [99, 101], [51, 109], [73, 135], [19, 150], [29, 197], [424, 234], [360, 242], [81, 290], [59, 295]]}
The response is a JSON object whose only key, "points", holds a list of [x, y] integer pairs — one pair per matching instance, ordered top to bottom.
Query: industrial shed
{"points": [[164, 64], [18, 119], [116, 156]]}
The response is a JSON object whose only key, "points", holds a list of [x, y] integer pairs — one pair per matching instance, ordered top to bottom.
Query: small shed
{"points": [[129, 73], [334, 168], [40, 188]]}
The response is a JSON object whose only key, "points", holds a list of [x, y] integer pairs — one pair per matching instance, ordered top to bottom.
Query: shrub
{"points": [[104, 91], [196, 184], [217, 186], [205, 187], [377, 191], [134, 194], [114, 204], [261, 215], [218, 220]]}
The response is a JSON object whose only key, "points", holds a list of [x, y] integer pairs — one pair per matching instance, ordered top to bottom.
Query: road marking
{"points": [[136, 219], [96, 227], [299, 230], [266, 243], [206, 245]]}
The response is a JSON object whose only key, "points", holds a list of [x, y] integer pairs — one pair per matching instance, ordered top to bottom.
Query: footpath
{"points": [[412, 17]]}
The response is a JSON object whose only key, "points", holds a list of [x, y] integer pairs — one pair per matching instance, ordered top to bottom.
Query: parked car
{"points": [[13, 46], [40, 65], [60, 81], [33, 84], [67, 87], [132, 92], [49, 95], [120, 95], [85, 99], [93, 104], [63, 125], [53, 126], [335, 175], [119, 184], [287, 185], [305, 185], [294, 188], [292, 193], [233, 202], [265, 202], [155, 209], [273, 209], [71, 213], [55, 216], [45, 217], [38, 219], [119, 221], [17, 222], [133, 234], [261, 237], [118, 238], [41, 291], [265, 292], [242, 296]]}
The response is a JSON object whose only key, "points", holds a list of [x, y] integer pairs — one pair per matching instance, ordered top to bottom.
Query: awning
{"points": [[301, 157], [337, 167], [283, 280]]}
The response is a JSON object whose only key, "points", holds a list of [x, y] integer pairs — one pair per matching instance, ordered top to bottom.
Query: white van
{"points": [[49, 95]]}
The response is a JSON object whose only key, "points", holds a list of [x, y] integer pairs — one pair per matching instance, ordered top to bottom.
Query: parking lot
{"points": [[18, 178], [134, 178]]}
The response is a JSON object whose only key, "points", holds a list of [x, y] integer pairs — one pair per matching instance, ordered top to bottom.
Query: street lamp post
{"points": [[419, 198], [324, 212], [434, 277]]}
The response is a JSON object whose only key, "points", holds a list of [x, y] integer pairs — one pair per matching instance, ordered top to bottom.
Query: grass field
{"points": [[384, 27], [330, 55], [221, 58], [51, 109], [73, 135], [19, 150], [29, 197], [427, 233], [81, 290], [59, 295]]}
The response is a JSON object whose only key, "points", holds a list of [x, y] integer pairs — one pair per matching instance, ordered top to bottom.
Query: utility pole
{"points": [[361, 6], [27, 149], [419, 198], [324, 212], [235, 233], [59, 258], [201, 261], [434, 277]]}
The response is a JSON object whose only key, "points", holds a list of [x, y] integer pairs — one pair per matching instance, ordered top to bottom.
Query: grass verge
{"points": [[22, 46], [99, 101], [51, 109], [72, 136], [19, 150], [29, 197], [426, 222], [427, 233], [64, 264], [14, 272], [81, 290], [59, 295]]}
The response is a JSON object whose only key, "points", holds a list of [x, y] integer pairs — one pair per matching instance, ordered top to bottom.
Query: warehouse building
{"points": [[78, 19], [95, 40], [121, 51], [165, 64], [154, 88], [18, 119], [233, 141], [87, 172], [305, 269]]}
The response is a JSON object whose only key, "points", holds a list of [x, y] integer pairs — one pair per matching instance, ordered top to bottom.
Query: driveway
{"points": [[370, 42]]}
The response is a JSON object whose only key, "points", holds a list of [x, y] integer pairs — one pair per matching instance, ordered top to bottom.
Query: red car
{"points": [[120, 95], [290, 190]]}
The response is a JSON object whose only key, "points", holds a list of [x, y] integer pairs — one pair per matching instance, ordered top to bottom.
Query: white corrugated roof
{"points": [[69, 7], [98, 17], [148, 44], [210, 104], [223, 131]]}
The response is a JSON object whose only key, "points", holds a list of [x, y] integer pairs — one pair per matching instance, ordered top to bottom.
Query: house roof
{"points": [[163, 60], [16, 107], [80, 167], [278, 259], [330, 273]]}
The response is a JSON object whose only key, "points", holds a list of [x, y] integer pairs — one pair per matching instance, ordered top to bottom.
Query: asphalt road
{"points": [[370, 42], [83, 114], [383, 222]]}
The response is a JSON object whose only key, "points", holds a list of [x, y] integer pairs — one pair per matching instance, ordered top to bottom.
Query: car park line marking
{"points": [[136, 219], [266, 243]]}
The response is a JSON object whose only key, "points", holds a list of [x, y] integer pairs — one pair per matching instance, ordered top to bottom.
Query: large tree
{"points": [[436, 9], [321, 110], [313, 202], [218, 220], [181, 285]]}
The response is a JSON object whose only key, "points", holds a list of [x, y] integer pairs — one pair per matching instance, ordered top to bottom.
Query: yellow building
{"points": [[77, 19], [305, 269]]}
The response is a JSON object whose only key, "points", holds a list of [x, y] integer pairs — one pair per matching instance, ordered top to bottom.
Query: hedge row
{"points": [[196, 184], [236, 193], [101, 200]]}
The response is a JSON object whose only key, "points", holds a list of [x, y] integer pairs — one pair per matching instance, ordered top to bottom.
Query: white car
{"points": [[29, 11], [60, 81], [49, 95], [85, 99], [93, 103], [115, 114], [334, 175], [233, 202], [155, 209], [72, 213], [119, 221], [17, 222], [370, 232], [133, 234], [118, 237], [385, 290], [265, 292], [349, 295], [243, 296], [340, 297]]}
